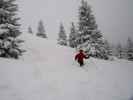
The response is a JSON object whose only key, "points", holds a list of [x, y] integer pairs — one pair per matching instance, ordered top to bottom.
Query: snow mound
{"points": [[47, 71]]}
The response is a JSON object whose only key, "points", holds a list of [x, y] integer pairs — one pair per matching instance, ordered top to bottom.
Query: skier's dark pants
{"points": [[81, 63]]}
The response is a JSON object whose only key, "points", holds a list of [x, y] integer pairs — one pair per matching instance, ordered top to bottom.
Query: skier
{"points": [[80, 57]]}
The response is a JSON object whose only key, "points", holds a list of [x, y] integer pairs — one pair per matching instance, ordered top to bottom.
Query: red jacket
{"points": [[80, 57]]}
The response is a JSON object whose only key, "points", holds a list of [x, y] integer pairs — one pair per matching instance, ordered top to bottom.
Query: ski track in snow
{"points": [[48, 72]]}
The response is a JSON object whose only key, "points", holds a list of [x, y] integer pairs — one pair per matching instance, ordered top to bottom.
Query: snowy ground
{"points": [[47, 71]]}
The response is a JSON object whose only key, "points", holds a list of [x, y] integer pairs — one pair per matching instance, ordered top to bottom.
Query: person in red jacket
{"points": [[80, 57]]}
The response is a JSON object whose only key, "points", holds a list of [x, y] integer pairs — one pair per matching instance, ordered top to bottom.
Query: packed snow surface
{"points": [[47, 71]]}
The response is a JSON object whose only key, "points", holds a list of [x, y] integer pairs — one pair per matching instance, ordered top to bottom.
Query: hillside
{"points": [[47, 71]]}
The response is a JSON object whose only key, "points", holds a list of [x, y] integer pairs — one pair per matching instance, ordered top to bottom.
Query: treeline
{"points": [[82, 35], [86, 35], [119, 50]]}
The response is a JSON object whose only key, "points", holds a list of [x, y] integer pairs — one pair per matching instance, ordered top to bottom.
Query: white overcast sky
{"points": [[114, 17]]}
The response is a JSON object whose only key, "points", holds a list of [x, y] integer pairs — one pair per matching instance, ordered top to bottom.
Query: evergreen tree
{"points": [[9, 29], [30, 30], [41, 30], [72, 36], [90, 38], [62, 40], [108, 47], [129, 47], [119, 49]]}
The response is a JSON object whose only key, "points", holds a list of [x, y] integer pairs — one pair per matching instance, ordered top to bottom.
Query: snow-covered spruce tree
{"points": [[9, 30], [30, 30], [41, 30], [72, 36], [90, 38], [62, 39], [108, 47], [119, 49], [129, 51]]}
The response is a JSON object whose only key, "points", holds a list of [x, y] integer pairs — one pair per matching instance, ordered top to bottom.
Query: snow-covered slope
{"points": [[48, 71]]}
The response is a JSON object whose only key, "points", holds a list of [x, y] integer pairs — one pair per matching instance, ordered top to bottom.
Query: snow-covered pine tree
{"points": [[9, 29], [30, 30], [41, 30], [72, 36], [90, 38], [62, 39], [108, 47], [119, 49], [129, 51]]}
